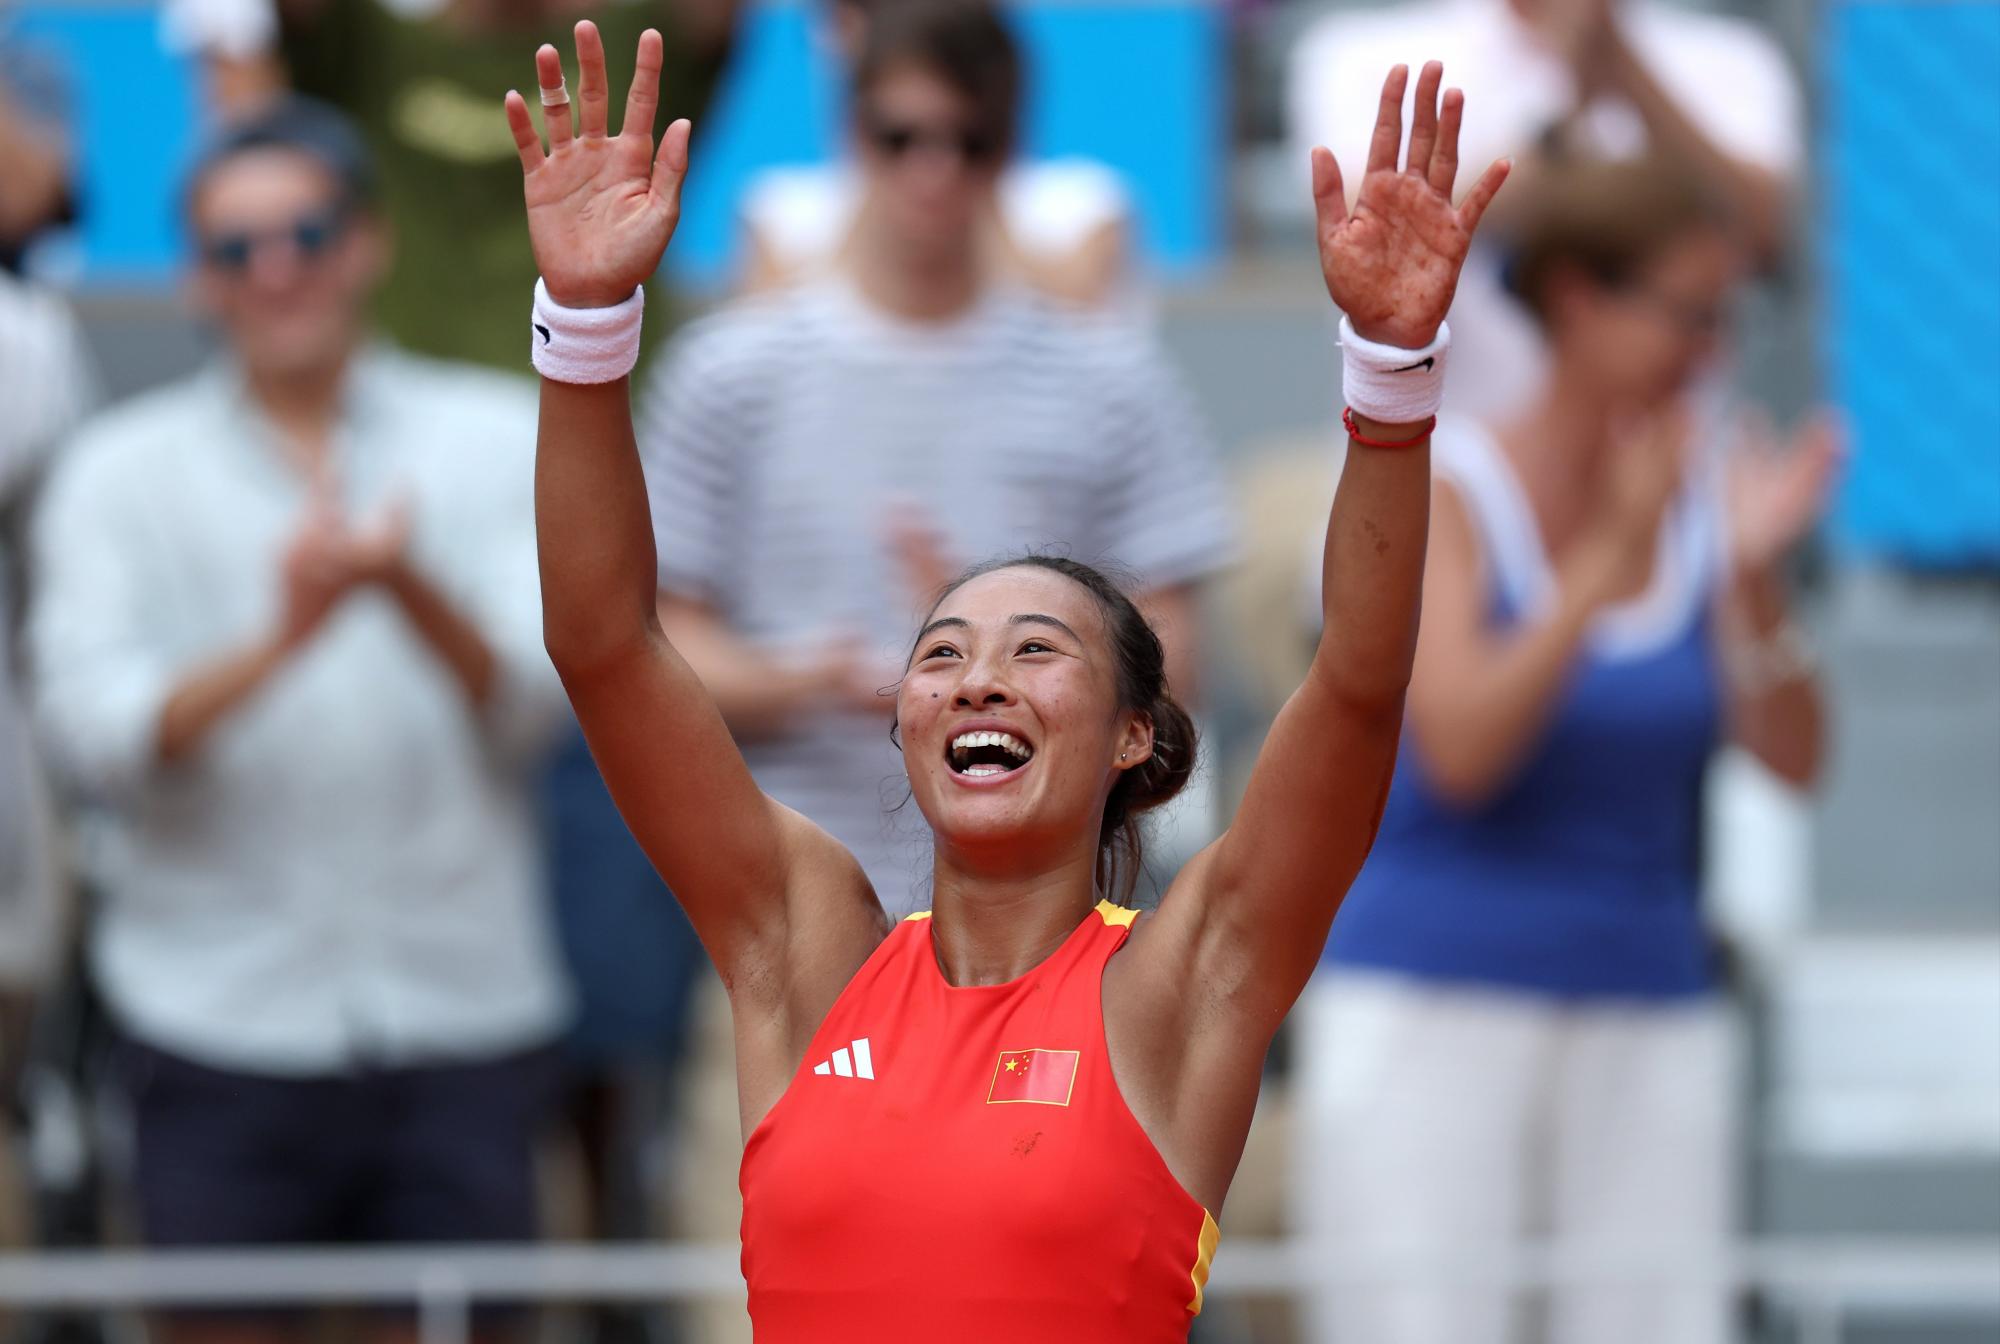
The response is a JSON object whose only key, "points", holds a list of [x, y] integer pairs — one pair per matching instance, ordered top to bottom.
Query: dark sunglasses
{"points": [[898, 139], [310, 236]]}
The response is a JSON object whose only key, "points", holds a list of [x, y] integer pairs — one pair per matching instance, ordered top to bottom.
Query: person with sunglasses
{"points": [[1061, 224], [810, 450], [286, 646], [1518, 1023]]}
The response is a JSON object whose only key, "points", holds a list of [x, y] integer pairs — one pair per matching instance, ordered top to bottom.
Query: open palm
{"points": [[600, 207], [1392, 263], [1777, 493]]}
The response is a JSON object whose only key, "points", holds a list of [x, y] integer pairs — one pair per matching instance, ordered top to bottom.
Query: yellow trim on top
{"points": [[921, 914], [1115, 915], [1211, 1234]]}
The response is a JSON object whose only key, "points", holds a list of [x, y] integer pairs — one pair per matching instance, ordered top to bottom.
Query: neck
{"points": [[932, 288], [304, 404], [1557, 444], [989, 930]]}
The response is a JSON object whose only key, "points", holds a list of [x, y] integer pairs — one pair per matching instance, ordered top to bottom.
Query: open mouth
{"points": [[985, 754]]}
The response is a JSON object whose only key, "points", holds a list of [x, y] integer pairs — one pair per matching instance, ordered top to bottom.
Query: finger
{"points": [[549, 78], [593, 86], [643, 100], [1424, 125], [1388, 135], [527, 140], [1444, 159], [670, 166], [1482, 193], [1329, 197]]}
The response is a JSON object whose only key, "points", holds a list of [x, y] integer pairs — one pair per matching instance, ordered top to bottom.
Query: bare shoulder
{"points": [[832, 924], [1187, 966], [781, 989], [1187, 1052]]}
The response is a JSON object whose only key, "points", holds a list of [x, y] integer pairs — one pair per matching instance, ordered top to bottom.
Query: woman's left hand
{"points": [[1392, 264], [1777, 493]]}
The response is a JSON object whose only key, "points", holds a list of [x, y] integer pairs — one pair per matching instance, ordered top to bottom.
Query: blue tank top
{"points": [[1580, 878]]}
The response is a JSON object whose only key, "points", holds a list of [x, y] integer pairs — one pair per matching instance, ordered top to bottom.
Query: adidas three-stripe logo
{"points": [[854, 1060]]}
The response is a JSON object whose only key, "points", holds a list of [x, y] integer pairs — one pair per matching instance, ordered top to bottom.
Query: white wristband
{"points": [[586, 345], [1389, 383]]}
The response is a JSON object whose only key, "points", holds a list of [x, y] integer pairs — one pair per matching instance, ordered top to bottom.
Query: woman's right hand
{"points": [[600, 207], [1644, 467]]}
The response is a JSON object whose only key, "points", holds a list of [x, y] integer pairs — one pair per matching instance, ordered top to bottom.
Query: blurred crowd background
{"points": [[316, 925]]}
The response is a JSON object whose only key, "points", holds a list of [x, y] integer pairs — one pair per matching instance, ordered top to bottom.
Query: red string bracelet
{"points": [[1353, 432]]}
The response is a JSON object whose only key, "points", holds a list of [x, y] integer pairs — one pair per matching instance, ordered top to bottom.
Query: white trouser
{"points": [[1443, 1125]]}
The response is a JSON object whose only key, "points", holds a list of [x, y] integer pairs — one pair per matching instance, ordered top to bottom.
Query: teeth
{"points": [[1007, 742]]}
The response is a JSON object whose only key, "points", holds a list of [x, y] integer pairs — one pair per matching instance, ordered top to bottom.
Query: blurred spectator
{"points": [[1597, 78], [423, 79], [37, 189], [1060, 224], [47, 384], [870, 431], [286, 647], [1519, 1022]]}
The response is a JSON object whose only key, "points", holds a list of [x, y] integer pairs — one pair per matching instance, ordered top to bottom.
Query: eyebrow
{"points": [[1022, 618], [1037, 618]]}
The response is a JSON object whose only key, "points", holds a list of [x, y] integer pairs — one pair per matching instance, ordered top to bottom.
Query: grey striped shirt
{"points": [[780, 432]]}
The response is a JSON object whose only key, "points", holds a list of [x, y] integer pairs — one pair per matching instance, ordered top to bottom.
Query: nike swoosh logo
{"points": [[545, 335], [1427, 363]]}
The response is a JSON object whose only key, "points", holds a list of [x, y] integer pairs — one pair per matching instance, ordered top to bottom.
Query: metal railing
{"points": [[1821, 1281]]}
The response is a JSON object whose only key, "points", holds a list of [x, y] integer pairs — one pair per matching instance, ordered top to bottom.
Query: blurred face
{"points": [[929, 169], [282, 265], [1645, 341], [1009, 715]]}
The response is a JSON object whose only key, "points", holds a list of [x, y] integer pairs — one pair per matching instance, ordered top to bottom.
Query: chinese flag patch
{"points": [[1045, 1077]]}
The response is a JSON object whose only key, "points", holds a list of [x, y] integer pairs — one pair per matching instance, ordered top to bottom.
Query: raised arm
{"points": [[600, 211], [1257, 905]]}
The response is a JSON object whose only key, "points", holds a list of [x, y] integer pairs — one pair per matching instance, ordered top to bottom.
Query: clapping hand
{"points": [[1579, 32], [600, 207], [1392, 263], [1644, 469], [1777, 493], [921, 551], [328, 559]]}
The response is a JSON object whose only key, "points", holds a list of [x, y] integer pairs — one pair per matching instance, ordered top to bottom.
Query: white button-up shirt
{"points": [[347, 870]]}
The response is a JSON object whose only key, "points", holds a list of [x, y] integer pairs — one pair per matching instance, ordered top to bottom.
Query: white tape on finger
{"points": [[586, 345], [1389, 383]]}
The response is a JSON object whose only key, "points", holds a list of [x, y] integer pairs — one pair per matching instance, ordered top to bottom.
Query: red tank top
{"points": [[957, 1164]]}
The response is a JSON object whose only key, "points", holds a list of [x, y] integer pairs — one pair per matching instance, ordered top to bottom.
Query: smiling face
{"points": [[285, 263], [1010, 719]]}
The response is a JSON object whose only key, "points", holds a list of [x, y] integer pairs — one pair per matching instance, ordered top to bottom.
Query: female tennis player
{"points": [[1009, 1118]]}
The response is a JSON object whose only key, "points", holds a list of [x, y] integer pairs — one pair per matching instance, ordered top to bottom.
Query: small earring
{"points": [[1121, 755]]}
